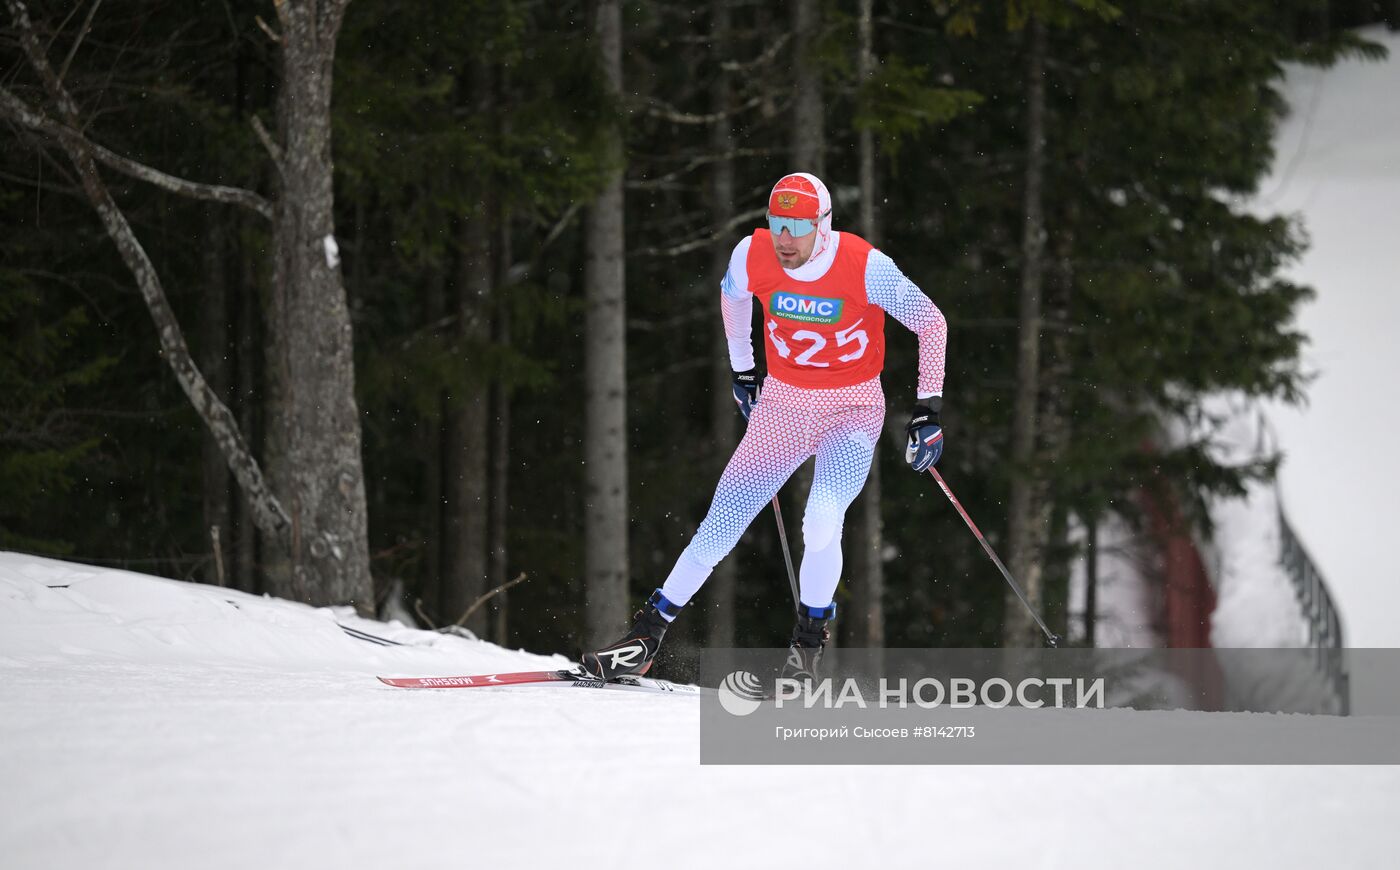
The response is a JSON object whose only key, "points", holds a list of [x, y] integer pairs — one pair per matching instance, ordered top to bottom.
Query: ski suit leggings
{"points": [[841, 427]]}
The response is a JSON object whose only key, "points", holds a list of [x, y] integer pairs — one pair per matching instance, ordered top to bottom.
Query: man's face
{"points": [[792, 251]]}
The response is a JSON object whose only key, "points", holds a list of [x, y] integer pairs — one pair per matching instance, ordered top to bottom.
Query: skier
{"points": [[824, 298]]}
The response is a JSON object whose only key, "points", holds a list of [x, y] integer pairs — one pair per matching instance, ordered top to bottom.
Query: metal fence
{"points": [[1321, 625]]}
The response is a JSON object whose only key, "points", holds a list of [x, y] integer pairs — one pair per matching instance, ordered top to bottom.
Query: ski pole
{"points": [[782, 536], [787, 555], [1050, 637]]}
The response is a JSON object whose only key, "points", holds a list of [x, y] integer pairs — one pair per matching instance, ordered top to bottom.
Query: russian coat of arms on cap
{"points": [[787, 200]]}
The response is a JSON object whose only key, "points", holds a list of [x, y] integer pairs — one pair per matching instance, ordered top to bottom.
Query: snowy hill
{"points": [[57, 612], [150, 723]]}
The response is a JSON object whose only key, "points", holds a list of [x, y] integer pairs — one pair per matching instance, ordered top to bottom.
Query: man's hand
{"points": [[746, 391], [925, 435]]}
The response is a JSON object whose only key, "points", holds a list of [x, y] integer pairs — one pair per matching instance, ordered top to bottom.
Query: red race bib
{"points": [[819, 334]]}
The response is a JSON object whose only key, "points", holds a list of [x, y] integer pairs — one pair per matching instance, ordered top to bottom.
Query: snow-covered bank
{"points": [[58, 612], [148, 723]]}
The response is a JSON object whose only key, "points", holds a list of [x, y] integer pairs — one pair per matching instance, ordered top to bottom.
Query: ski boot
{"points": [[809, 639], [633, 653]]}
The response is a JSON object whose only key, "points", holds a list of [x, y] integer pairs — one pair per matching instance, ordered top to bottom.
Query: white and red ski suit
{"points": [[824, 328]]}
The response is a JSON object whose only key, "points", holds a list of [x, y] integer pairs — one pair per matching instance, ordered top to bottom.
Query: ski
{"points": [[366, 636], [573, 677], [479, 680]]}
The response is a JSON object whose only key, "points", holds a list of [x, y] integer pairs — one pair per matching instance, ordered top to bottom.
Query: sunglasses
{"points": [[797, 227]]}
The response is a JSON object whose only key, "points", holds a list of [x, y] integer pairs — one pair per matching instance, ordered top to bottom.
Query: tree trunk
{"points": [[865, 69], [808, 108], [246, 345], [215, 364], [605, 372], [723, 419], [1054, 422], [313, 426], [433, 446], [500, 448], [466, 483], [466, 487], [1025, 521], [246, 568], [867, 577]]}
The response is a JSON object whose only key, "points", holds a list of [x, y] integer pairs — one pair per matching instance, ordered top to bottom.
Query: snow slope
{"points": [[1338, 167], [154, 724]]}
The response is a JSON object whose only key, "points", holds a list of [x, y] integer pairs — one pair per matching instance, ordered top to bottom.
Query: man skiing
{"points": [[824, 296]]}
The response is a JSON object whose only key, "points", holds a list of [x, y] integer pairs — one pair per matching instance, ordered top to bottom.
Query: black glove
{"points": [[746, 391], [925, 445]]}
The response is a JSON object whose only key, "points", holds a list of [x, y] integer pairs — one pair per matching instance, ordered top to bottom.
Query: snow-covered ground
{"points": [[1338, 166], [150, 724]]}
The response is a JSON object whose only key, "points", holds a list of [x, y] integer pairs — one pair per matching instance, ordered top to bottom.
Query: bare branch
{"points": [[267, 28], [83, 32], [27, 38], [764, 58], [659, 109], [17, 111], [67, 133], [266, 138], [669, 179], [41, 184], [561, 224], [703, 240], [521, 271], [428, 329], [268, 512], [418, 608], [462, 620]]}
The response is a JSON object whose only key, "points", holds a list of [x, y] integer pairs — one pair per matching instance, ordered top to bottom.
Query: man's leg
{"points": [[776, 442], [845, 447], [844, 454]]}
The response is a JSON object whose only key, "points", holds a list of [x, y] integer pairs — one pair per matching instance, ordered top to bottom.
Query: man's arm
{"points": [[887, 287], [736, 303]]}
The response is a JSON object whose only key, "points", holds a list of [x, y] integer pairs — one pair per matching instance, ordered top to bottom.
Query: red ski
{"points": [[576, 677], [512, 679]]}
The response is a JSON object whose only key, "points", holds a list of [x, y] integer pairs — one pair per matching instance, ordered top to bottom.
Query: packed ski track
{"points": [[156, 724]]}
